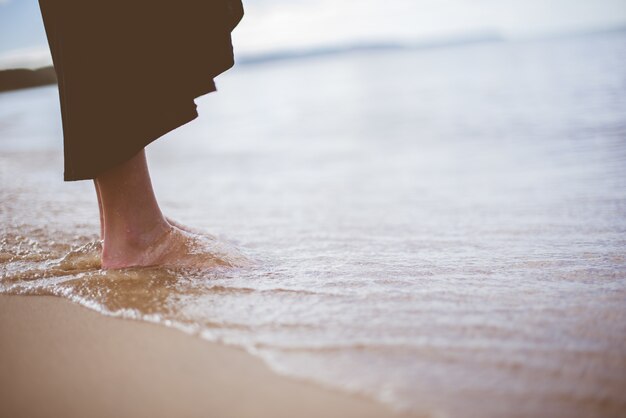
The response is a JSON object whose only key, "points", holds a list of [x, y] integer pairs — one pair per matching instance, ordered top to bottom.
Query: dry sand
{"points": [[58, 359]]}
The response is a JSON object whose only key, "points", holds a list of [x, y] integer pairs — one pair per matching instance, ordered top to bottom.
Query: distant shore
{"points": [[21, 78], [60, 359]]}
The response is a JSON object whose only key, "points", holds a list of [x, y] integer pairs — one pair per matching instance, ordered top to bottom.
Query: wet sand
{"points": [[58, 359]]}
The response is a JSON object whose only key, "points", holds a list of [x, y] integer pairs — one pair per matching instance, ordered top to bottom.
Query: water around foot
{"points": [[179, 248]]}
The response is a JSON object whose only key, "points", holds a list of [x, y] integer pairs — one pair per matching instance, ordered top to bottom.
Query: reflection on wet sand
{"points": [[32, 267]]}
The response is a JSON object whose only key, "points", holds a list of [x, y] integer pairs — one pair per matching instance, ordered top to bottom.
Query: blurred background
{"points": [[295, 25], [437, 189]]}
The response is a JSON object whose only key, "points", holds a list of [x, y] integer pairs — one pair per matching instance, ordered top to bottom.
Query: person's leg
{"points": [[100, 210], [169, 220], [134, 228], [136, 233]]}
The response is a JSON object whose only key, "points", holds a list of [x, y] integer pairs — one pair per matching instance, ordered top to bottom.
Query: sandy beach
{"points": [[58, 359]]}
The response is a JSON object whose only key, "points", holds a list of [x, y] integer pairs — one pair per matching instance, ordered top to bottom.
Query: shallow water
{"points": [[444, 230]]}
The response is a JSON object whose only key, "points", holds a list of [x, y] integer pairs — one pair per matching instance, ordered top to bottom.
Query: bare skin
{"points": [[169, 220], [135, 232]]}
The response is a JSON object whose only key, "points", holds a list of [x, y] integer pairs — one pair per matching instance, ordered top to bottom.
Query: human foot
{"points": [[187, 228], [176, 248]]}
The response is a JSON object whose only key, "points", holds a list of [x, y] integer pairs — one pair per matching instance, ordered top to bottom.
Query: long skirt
{"points": [[129, 71]]}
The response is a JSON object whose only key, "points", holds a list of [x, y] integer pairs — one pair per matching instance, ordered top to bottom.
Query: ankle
{"points": [[145, 236], [132, 246]]}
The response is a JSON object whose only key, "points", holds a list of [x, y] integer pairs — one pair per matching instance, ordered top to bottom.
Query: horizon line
{"points": [[445, 41]]}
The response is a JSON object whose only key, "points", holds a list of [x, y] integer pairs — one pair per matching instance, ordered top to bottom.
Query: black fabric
{"points": [[128, 71]]}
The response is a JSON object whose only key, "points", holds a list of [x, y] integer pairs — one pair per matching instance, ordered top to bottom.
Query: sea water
{"points": [[443, 230]]}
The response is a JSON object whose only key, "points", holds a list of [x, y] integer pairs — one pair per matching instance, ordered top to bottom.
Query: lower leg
{"points": [[100, 210], [169, 220], [131, 221], [137, 234]]}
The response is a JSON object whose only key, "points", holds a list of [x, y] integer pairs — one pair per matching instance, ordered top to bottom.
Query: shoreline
{"points": [[58, 358]]}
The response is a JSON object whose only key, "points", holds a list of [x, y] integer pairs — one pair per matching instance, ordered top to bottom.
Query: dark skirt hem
{"points": [[129, 72], [173, 119]]}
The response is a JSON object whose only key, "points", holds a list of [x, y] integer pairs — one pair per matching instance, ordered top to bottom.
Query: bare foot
{"points": [[187, 228], [177, 248]]}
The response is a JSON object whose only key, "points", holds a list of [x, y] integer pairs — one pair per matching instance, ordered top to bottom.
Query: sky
{"points": [[271, 25]]}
